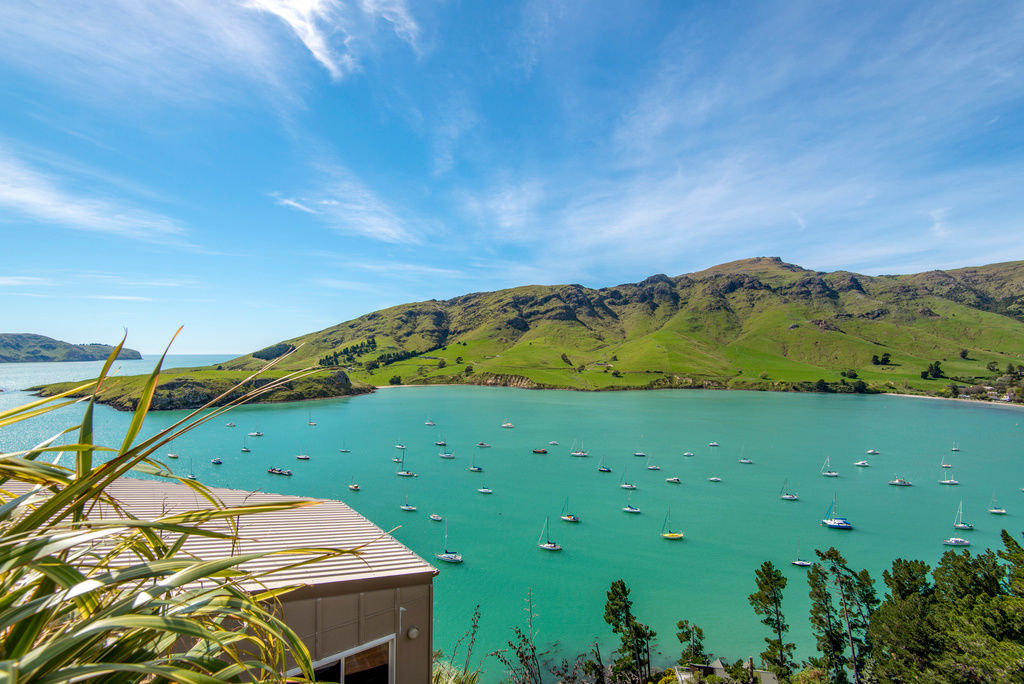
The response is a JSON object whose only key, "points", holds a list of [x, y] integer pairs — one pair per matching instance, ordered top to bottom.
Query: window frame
{"points": [[390, 639]]}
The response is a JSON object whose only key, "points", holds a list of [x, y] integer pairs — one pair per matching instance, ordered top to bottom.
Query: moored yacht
{"points": [[862, 464], [826, 468], [673, 480], [900, 482], [833, 520], [959, 522], [956, 541], [547, 544], [447, 556]]}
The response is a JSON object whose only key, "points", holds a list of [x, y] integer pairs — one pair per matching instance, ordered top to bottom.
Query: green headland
{"points": [[758, 323], [28, 347]]}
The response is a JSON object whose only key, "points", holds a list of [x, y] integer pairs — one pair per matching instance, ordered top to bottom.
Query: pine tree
{"points": [[767, 601], [825, 625], [635, 637]]}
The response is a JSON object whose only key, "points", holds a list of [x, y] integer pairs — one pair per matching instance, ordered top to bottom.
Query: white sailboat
{"points": [[309, 420], [429, 423], [507, 424], [245, 446], [955, 447], [578, 451], [446, 453], [944, 464], [652, 466], [602, 468], [826, 468], [403, 470], [947, 479], [624, 484], [484, 489], [787, 495], [408, 507], [629, 507], [994, 508], [566, 515], [833, 520], [958, 522], [666, 529], [547, 544], [448, 556], [800, 562]]}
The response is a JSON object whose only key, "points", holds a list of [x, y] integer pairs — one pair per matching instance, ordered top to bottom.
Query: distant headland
{"points": [[31, 348]]}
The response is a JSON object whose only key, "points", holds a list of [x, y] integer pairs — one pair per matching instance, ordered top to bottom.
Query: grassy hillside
{"points": [[757, 323], [27, 347]]}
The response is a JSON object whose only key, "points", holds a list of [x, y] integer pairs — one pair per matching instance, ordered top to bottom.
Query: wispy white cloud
{"points": [[190, 50], [34, 194], [346, 204], [512, 208], [22, 281], [119, 298]]}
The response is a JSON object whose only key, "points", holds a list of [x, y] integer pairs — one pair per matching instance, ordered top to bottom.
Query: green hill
{"points": [[751, 324], [27, 347]]}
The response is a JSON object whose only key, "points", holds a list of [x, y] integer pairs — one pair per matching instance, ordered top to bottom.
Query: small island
{"points": [[31, 348]]}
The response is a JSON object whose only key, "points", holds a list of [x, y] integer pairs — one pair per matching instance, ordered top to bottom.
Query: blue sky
{"points": [[259, 169]]}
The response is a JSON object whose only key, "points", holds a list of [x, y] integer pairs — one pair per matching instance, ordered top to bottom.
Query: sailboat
{"points": [[309, 420], [429, 423], [507, 424], [229, 425], [255, 433], [441, 442], [712, 444], [399, 445], [245, 447], [955, 447], [344, 449], [577, 451], [638, 452], [446, 453], [688, 454], [301, 456], [743, 457], [944, 464], [652, 466], [473, 467], [602, 468], [826, 468], [191, 469], [404, 472], [947, 479], [352, 484], [624, 484], [484, 489], [787, 495], [407, 506], [630, 508], [994, 508], [566, 515], [436, 517], [833, 520], [958, 521], [666, 529], [547, 544], [448, 556], [800, 562]]}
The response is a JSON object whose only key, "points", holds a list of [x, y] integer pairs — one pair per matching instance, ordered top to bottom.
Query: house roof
{"points": [[382, 559]]}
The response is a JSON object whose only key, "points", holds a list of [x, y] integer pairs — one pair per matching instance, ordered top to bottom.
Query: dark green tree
{"points": [[963, 353], [442, 363], [992, 367], [395, 380], [856, 598], [767, 602], [825, 625], [635, 637], [692, 638]]}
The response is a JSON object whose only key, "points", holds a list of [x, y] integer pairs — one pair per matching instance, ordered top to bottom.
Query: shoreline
{"points": [[975, 402]]}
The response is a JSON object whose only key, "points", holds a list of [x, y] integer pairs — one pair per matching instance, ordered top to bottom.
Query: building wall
{"points": [[333, 623]]}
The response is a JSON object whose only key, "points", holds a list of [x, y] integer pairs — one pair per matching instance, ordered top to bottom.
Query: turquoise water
{"points": [[731, 526]]}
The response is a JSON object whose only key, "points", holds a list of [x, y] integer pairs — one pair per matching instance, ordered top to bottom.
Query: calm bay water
{"points": [[731, 526]]}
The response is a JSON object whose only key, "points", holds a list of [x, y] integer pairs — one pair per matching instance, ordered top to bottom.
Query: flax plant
{"points": [[118, 598]]}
